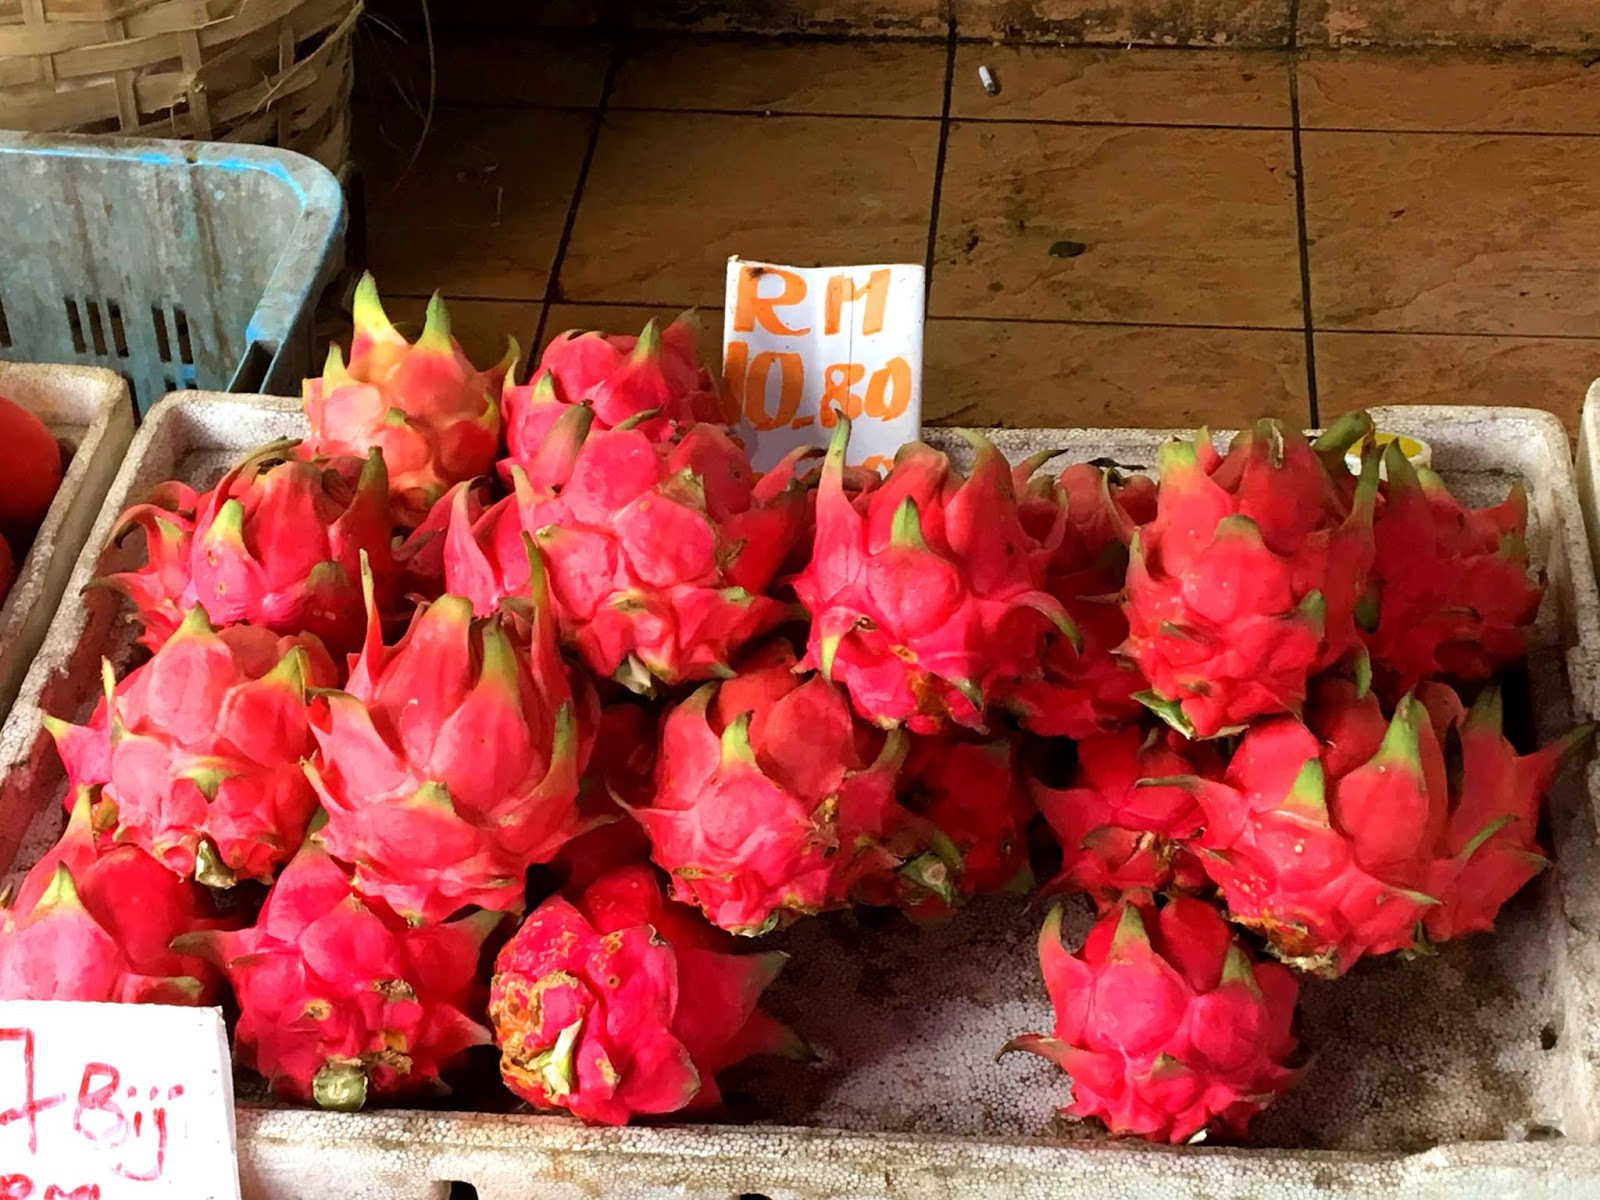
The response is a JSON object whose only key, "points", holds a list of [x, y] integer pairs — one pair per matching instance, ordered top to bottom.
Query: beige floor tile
{"points": [[1119, 22], [1548, 23], [471, 67], [857, 78], [1079, 83], [1447, 90], [671, 195], [480, 211], [1193, 226], [1444, 233], [608, 318], [1361, 370], [1034, 374]]}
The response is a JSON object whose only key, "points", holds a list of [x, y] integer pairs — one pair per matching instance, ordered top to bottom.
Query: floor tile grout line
{"points": [[773, 113], [938, 167], [1302, 245], [552, 291]]}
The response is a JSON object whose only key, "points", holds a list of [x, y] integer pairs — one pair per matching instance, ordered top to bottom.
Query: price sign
{"points": [[803, 346], [115, 1102]]}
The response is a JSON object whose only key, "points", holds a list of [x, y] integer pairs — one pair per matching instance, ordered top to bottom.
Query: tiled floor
{"points": [[1123, 237]]}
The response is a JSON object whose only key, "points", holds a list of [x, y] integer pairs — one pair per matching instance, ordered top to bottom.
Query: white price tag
{"points": [[804, 345], [115, 1102]]}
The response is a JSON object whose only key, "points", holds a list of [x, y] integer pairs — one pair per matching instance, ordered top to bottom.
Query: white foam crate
{"points": [[90, 412], [1468, 1075]]}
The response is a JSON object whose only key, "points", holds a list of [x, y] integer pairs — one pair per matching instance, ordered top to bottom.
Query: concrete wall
{"points": [[1544, 24]]}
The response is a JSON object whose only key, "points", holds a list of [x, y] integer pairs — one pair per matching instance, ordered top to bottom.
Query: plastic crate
{"points": [[178, 265], [1470, 1075]]}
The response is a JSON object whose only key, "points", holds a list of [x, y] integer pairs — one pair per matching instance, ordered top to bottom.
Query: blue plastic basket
{"points": [[176, 264]]}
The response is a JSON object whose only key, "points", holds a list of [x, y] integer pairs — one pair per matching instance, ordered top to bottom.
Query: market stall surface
{"points": [[1113, 237]]}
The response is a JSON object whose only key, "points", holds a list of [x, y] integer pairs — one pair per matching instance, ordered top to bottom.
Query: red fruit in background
{"points": [[32, 472], [8, 569], [1453, 596], [1086, 686], [620, 769], [1126, 821], [964, 831], [97, 926], [340, 1000], [620, 1002], [1166, 1024]]}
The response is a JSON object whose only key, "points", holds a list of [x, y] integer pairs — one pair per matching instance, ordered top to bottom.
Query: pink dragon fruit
{"points": [[653, 383], [431, 413], [277, 543], [659, 556], [1246, 583], [924, 593], [1453, 596], [1086, 688], [196, 754], [450, 762], [771, 800], [1126, 821], [964, 831], [1327, 839], [96, 926], [341, 1001], [622, 1003], [1166, 1024]]}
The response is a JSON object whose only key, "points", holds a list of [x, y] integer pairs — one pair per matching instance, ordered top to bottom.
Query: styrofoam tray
{"points": [[90, 412], [1469, 1074]]}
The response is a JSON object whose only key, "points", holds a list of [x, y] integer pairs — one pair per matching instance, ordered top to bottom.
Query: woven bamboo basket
{"points": [[273, 72]]}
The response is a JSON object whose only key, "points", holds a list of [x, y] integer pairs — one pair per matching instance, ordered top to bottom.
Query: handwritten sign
{"points": [[804, 345], [115, 1102]]}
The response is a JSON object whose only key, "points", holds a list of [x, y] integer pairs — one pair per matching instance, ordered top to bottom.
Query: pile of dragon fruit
{"points": [[517, 715]]}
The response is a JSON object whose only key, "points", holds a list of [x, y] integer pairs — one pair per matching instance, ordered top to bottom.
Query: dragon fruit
{"points": [[653, 383], [432, 414], [278, 543], [659, 556], [419, 557], [1246, 582], [924, 593], [1453, 596], [1086, 687], [196, 754], [450, 762], [621, 772], [771, 799], [1127, 819], [965, 828], [1352, 836], [1490, 843], [93, 925], [340, 1000], [621, 1002], [1166, 1024]]}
